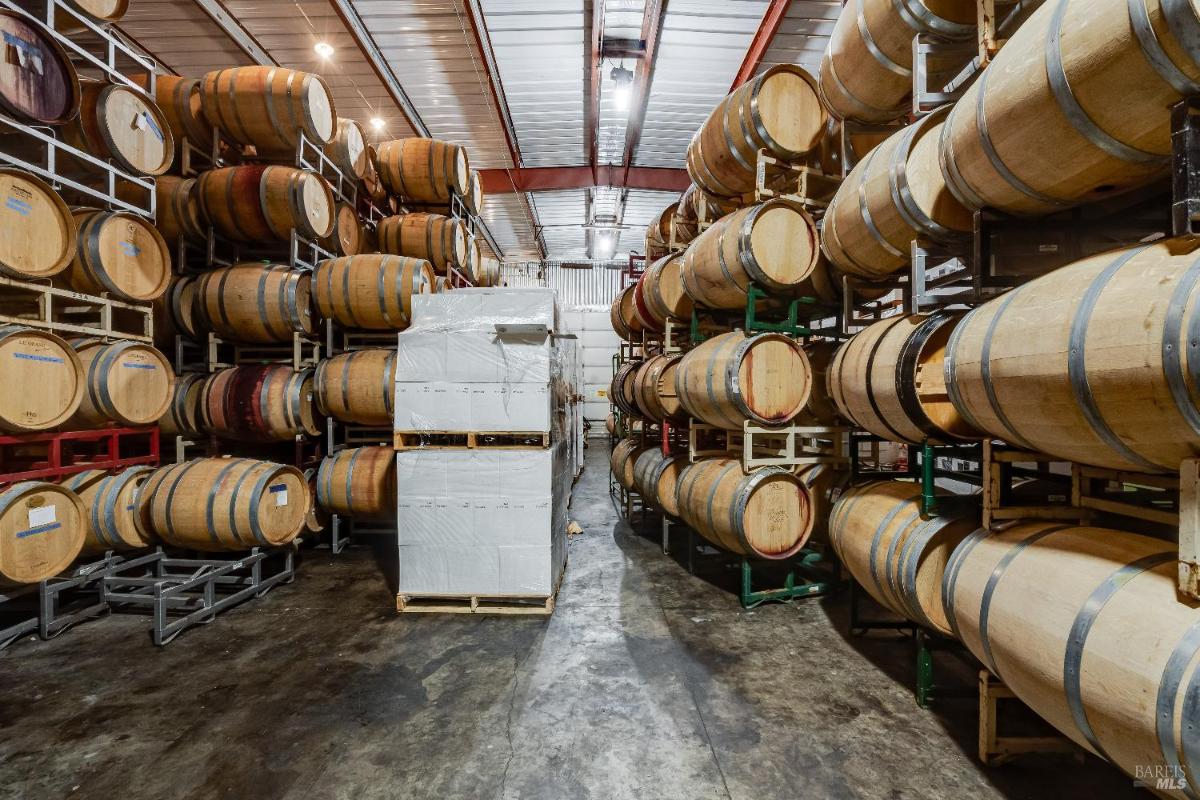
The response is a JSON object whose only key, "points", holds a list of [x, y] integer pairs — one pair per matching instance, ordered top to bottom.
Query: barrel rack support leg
{"points": [[799, 582], [861, 625], [928, 690]]}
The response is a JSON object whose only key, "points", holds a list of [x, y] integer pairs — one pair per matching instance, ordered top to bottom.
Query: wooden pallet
{"points": [[68, 313], [471, 440], [504, 605]]}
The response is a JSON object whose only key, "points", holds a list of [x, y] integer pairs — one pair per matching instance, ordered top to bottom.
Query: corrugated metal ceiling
{"points": [[803, 35]]}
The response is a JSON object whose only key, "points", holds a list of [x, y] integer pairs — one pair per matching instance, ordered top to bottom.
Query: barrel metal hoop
{"points": [[922, 20], [1184, 25], [869, 42], [1152, 48], [270, 107], [864, 110], [1074, 111], [296, 123], [731, 145], [989, 149], [955, 181], [901, 190], [865, 211], [829, 234], [746, 254], [94, 256], [724, 265], [292, 282], [1174, 353], [108, 360], [1077, 365], [950, 372], [985, 373], [906, 374], [733, 379], [870, 387], [712, 398], [295, 400], [350, 478], [325, 481], [712, 494], [255, 506], [210, 507], [737, 509], [100, 527], [172, 537], [875, 540], [910, 562], [953, 567], [891, 574], [989, 590], [1077, 639], [1165, 704]]}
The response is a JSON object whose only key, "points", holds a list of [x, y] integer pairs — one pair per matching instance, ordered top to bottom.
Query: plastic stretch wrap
{"points": [[484, 309], [486, 522]]}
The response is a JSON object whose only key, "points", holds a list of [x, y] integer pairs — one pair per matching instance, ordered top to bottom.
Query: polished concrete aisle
{"points": [[646, 683]]}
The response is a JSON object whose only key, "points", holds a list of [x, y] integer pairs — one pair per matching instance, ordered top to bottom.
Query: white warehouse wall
{"points": [[598, 344]]}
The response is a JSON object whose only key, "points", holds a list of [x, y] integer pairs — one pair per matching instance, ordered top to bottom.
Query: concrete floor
{"points": [[646, 683]]}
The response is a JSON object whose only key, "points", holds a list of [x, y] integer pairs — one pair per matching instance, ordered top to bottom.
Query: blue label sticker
{"points": [[19, 43], [157, 131], [18, 205], [130, 249], [34, 357], [132, 365], [279, 487], [39, 529]]}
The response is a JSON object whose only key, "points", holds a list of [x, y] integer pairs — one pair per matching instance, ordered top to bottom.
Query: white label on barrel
{"points": [[280, 492], [41, 516]]}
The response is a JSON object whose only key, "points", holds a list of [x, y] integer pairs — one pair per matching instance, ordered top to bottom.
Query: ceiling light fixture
{"points": [[324, 49], [622, 86], [378, 124]]}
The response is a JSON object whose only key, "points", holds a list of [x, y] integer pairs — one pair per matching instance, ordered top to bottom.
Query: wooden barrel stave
{"points": [[179, 100], [269, 108], [122, 124], [349, 150], [424, 170], [265, 203], [40, 235], [348, 236], [435, 238], [120, 254], [371, 292], [660, 294], [255, 303], [176, 313], [623, 316], [44, 377], [732, 378], [126, 382], [358, 388], [622, 389], [654, 389], [270, 403], [185, 416], [624, 457], [656, 478], [359, 483], [110, 504], [225, 504], [42, 531]]}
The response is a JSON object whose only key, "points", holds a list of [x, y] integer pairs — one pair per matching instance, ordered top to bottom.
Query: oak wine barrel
{"points": [[103, 12], [866, 72], [37, 81], [179, 100], [1076, 106], [269, 108], [779, 111], [120, 123], [349, 150], [424, 170], [372, 183], [474, 196], [893, 196], [256, 203], [695, 205], [177, 210], [39, 230], [658, 233], [348, 237], [435, 238], [773, 245], [120, 254], [474, 266], [824, 284], [371, 292], [659, 294], [255, 303], [176, 313], [623, 316], [1110, 377], [732, 378], [888, 379], [44, 380], [125, 382], [359, 387], [621, 389], [654, 389], [269, 403], [820, 408], [185, 415], [611, 425], [624, 456], [656, 479], [359, 483], [826, 484], [110, 504], [225, 504], [766, 514], [317, 519], [42, 531], [899, 557], [1086, 627]]}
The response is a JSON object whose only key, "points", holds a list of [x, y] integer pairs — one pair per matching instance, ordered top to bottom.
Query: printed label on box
{"points": [[41, 516]]}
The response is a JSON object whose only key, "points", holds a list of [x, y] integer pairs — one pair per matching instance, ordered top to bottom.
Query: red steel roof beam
{"points": [[772, 19]]}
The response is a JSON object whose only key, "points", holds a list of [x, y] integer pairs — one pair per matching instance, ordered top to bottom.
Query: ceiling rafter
{"points": [[772, 18], [652, 25], [541, 179]]}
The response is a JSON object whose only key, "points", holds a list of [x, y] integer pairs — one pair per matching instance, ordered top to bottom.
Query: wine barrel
{"points": [[103, 12], [866, 73], [37, 81], [179, 100], [1076, 107], [269, 108], [778, 111], [120, 123], [349, 150], [424, 170], [372, 182], [474, 195], [893, 196], [256, 203], [695, 205], [177, 214], [39, 231], [658, 233], [348, 235], [435, 238], [773, 245], [120, 254], [475, 267], [824, 284], [371, 292], [659, 294], [256, 303], [175, 313], [624, 316], [732, 378], [1109, 379], [43, 380], [889, 380], [126, 382], [358, 388], [621, 389], [654, 389], [270, 403], [820, 408], [185, 415], [611, 425], [623, 457], [656, 479], [359, 483], [826, 484], [225, 504], [110, 509], [766, 514], [317, 519], [42, 531], [899, 557], [1085, 626]]}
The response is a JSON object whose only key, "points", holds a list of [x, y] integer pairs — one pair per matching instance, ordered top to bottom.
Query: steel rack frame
{"points": [[40, 305], [213, 353], [109, 449]]}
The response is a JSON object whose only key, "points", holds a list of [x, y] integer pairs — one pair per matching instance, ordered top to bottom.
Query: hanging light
{"points": [[324, 49], [622, 86], [378, 124]]}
